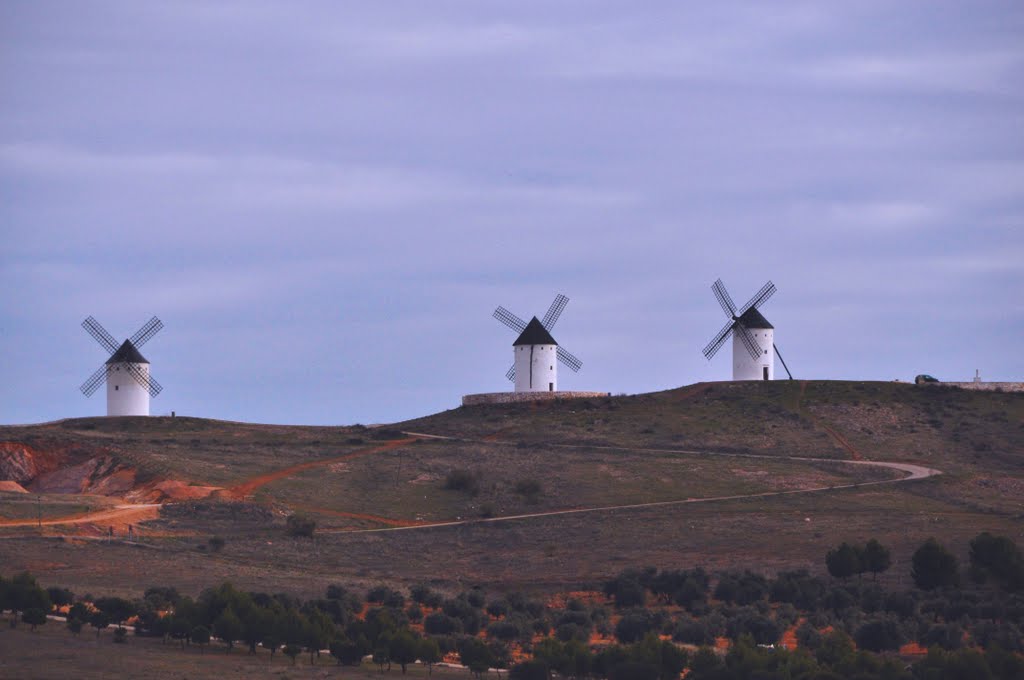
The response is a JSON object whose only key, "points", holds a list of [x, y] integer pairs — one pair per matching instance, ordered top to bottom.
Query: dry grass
{"points": [[976, 438], [53, 652]]}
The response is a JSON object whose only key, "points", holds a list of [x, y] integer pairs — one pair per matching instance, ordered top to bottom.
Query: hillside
{"points": [[429, 499]]}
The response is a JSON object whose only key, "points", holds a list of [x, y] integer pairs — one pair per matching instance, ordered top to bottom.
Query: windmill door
{"points": [[764, 372]]}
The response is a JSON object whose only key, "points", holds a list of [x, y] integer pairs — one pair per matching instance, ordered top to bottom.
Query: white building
{"points": [[536, 359], [744, 366], [127, 382]]}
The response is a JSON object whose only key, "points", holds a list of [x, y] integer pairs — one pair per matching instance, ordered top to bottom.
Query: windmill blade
{"points": [[767, 290], [724, 299], [554, 311], [509, 319], [148, 330], [100, 334], [719, 340], [749, 342], [569, 360], [511, 373], [94, 381], [147, 381]]}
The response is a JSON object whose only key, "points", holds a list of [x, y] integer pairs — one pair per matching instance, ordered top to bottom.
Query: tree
{"points": [[876, 558], [997, 559], [844, 561], [934, 567], [23, 593], [60, 596], [117, 608], [78, 611], [34, 617], [99, 620], [257, 623], [439, 623], [75, 625], [634, 625], [179, 628], [228, 628], [319, 632], [120, 635], [200, 635], [879, 636], [271, 642], [403, 649], [835, 650], [292, 651], [347, 652], [429, 652], [476, 656], [382, 657], [668, 659], [534, 669], [634, 670]]}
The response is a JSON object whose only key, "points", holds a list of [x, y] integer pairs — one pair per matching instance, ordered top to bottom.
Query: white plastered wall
{"points": [[745, 367], [536, 368], [125, 396]]}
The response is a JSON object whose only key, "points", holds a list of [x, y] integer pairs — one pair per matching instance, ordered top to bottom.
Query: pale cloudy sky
{"points": [[324, 201]]}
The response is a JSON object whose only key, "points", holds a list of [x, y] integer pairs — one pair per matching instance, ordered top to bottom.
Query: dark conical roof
{"points": [[753, 319], [534, 334], [127, 354]]}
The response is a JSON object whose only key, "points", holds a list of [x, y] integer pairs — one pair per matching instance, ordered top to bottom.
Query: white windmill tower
{"points": [[753, 338], [536, 353], [126, 372]]}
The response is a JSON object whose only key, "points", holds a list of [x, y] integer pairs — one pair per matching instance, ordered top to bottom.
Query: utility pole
{"points": [[39, 510]]}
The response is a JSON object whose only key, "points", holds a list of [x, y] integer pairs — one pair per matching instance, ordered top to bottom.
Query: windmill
{"points": [[753, 346], [536, 352], [126, 372]]}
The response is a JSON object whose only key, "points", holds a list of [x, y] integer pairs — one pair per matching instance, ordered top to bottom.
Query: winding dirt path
{"points": [[913, 472], [247, 487], [122, 515], [118, 517]]}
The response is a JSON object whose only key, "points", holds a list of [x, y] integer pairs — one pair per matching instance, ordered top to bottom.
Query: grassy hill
{"points": [[720, 439]]}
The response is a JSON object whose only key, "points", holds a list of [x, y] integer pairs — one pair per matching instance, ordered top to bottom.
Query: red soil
{"points": [[247, 488]]}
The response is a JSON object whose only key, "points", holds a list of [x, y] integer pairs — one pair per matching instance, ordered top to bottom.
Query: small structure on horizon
{"points": [[753, 337], [536, 354], [126, 372]]}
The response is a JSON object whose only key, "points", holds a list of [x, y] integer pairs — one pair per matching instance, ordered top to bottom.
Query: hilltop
{"points": [[428, 499]]}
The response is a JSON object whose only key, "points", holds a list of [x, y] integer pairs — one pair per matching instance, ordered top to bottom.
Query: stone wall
{"points": [[985, 386], [515, 397]]}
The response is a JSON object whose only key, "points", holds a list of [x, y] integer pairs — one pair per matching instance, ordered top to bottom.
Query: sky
{"points": [[325, 201]]}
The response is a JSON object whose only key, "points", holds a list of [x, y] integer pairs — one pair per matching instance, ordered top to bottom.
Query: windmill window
{"points": [[115, 388]]}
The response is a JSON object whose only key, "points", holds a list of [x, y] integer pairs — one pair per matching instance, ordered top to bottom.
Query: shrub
{"points": [[462, 480], [528, 488], [300, 526]]}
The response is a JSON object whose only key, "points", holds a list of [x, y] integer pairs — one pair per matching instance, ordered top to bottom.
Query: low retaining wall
{"points": [[985, 386], [515, 397]]}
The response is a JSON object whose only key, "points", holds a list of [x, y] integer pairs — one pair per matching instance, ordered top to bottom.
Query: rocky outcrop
{"points": [[21, 463], [62, 469]]}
